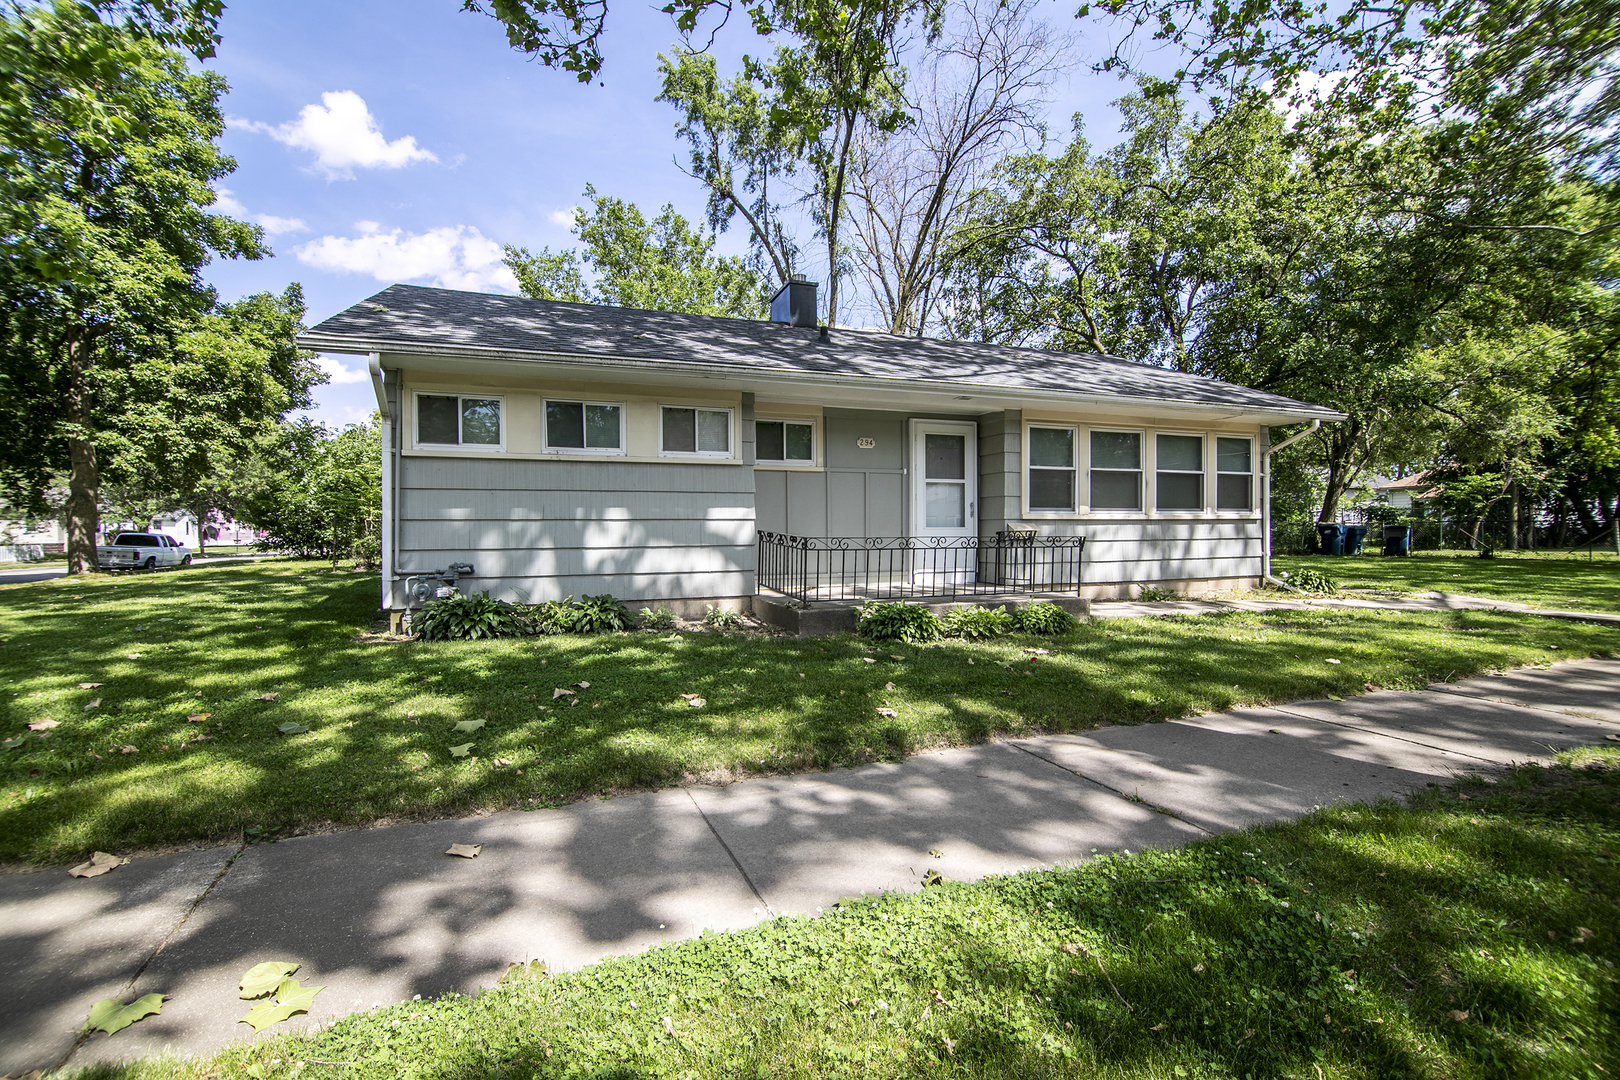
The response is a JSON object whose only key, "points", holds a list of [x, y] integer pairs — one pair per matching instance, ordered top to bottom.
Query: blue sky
{"points": [[402, 140]]}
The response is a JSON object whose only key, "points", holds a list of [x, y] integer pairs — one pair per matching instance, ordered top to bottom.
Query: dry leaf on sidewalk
{"points": [[465, 851], [100, 863], [261, 979], [290, 998]]}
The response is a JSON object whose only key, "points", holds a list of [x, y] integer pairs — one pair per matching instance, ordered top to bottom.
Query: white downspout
{"points": [[390, 472], [1265, 507]]}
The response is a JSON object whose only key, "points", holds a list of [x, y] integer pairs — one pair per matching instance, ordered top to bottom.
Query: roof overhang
{"points": [[790, 385]]}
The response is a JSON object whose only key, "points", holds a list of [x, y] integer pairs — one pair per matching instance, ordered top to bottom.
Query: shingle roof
{"points": [[420, 319]]}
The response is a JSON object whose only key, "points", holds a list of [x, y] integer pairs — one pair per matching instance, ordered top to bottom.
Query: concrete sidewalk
{"points": [[379, 916]]}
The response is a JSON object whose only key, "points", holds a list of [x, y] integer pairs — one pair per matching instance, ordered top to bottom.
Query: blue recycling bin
{"points": [[1354, 537], [1332, 538], [1398, 540]]}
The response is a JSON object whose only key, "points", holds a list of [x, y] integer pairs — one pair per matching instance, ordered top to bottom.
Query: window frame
{"points": [[1076, 430], [458, 446], [580, 451], [700, 455], [772, 463], [1141, 473], [1202, 473], [1252, 474]]}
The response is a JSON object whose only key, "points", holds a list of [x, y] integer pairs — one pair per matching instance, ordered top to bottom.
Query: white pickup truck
{"points": [[144, 551]]}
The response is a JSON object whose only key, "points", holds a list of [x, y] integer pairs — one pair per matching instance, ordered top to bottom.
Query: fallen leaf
{"points": [[1037, 652], [134, 656], [895, 656], [869, 659], [970, 659], [1333, 661], [90, 685], [583, 685], [888, 686], [561, 691], [268, 697], [694, 701], [95, 703], [887, 712], [197, 717], [44, 725], [469, 725], [292, 728], [1612, 738], [12, 744], [128, 750], [461, 751], [503, 761], [1473, 821], [466, 851], [936, 853], [100, 863], [933, 877], [1251, 879], [1582, 935], [1074, 948], [1198, 969], [261, 979], [290, 998], [112, 1015], [1458, 1015], [669, 1027], [1158, 1027], [950, 1044]]}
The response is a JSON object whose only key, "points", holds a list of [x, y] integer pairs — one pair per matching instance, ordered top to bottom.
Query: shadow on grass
{"points": [[1555, 581]]}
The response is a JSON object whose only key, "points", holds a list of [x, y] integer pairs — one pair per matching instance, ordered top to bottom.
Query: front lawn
{"points": [[1550, 581], [208, 678], [1469, 935]]}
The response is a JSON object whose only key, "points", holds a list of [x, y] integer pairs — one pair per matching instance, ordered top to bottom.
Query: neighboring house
{"points": [[569, 449], [1404, 492], [183, 527], [26, 541]]}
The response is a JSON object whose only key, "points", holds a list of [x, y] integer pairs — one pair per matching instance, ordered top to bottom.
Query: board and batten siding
{"points": [[543, 530]]}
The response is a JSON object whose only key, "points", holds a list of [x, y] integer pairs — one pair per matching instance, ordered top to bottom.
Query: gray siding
{"points": [[1001, 439], [542, 530], [1121, 552]]}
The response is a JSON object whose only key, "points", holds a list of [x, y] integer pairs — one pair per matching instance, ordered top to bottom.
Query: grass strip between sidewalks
{"points": [[1547, 580], [235, 701], [1469, 934]]}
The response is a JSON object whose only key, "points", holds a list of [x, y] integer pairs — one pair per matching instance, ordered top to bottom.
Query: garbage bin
{"points": [[1332, 537], [1354, 537], [1397, 539]]}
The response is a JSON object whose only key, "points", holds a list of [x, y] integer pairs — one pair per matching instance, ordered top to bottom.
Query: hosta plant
{"points": [[1043, 617], [468, 618], [897, 622], [974, 623]]}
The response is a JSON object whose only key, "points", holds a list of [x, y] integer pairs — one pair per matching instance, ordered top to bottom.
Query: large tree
{"points": [[107, 159], [660, 265]]}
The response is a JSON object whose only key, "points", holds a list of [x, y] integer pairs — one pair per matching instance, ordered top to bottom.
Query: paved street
{"points": [[380, 915]]}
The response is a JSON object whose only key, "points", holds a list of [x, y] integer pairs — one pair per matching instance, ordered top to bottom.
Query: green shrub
{"points": [[367, 553], [1311, 581], [1154, 593], [588, 615], [1043, 617], [467, 618], [657, 618], [718, 618], [897, 621], [974, 623]]}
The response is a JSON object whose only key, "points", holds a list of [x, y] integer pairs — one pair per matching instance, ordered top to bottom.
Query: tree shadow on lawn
{"points": [[1546, 582], [382, 718]]}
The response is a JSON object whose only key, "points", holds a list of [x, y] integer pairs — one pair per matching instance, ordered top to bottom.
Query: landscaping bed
{"points": [[241, 701]]}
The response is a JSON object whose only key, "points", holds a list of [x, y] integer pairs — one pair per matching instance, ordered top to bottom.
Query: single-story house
{"points": [[569, 449], [1408, 490]]}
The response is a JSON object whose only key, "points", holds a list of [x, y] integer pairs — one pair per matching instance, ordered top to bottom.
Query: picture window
{"points": [[457, 420]]}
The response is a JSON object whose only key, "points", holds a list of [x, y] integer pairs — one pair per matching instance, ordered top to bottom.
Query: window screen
{"points": [[453, 420], [583, 426], [697, 431], [783, 440], [1051, 468], [1116, 470], [1234, 474], [1179, 476]]}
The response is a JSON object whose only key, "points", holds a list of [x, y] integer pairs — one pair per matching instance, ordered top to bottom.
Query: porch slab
{"points": [[824, 617]]}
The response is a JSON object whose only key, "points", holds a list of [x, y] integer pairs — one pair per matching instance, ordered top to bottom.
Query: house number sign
{"points": [[865, 444]]}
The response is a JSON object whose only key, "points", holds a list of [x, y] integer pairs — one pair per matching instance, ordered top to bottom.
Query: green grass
{"points": [[1544, 580], [133, 773], [1470, 934]]}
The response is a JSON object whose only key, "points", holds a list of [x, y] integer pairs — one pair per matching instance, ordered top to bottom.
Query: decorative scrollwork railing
{"points": [[816, 568]]}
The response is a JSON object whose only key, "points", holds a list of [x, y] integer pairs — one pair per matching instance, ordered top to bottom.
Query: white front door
{"points": [[944, 498]]}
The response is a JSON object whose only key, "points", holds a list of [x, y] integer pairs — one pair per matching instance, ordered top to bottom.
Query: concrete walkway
{"points": [[1438, 601], [381, 915]]}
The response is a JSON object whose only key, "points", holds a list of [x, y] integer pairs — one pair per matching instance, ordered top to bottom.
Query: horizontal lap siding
{"points": [[542, 530], [1148, 551]]}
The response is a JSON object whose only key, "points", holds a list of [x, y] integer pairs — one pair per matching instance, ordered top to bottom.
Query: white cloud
{"points": [[343, 135], [225, 203], [562, 217], [275, 226], [454, 256], [339, 375]]}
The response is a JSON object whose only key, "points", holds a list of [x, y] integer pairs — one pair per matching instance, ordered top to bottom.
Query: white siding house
{"points": [[566, 449]]}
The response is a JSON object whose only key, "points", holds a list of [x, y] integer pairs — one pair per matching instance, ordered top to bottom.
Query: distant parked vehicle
{"points": [[142, 551]]}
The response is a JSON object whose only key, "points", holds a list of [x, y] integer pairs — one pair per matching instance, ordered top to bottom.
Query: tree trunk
{"points": [[82, 512], [1513, 517]]}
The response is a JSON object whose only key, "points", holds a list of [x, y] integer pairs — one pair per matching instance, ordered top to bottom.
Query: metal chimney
{"points": [[795, 302]]}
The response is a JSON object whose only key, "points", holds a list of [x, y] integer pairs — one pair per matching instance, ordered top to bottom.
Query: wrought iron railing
{"points": [[820, 568]]}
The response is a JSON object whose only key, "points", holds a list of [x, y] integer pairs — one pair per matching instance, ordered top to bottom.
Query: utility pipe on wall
{"points": [[390, 476], [1265, 505]]}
